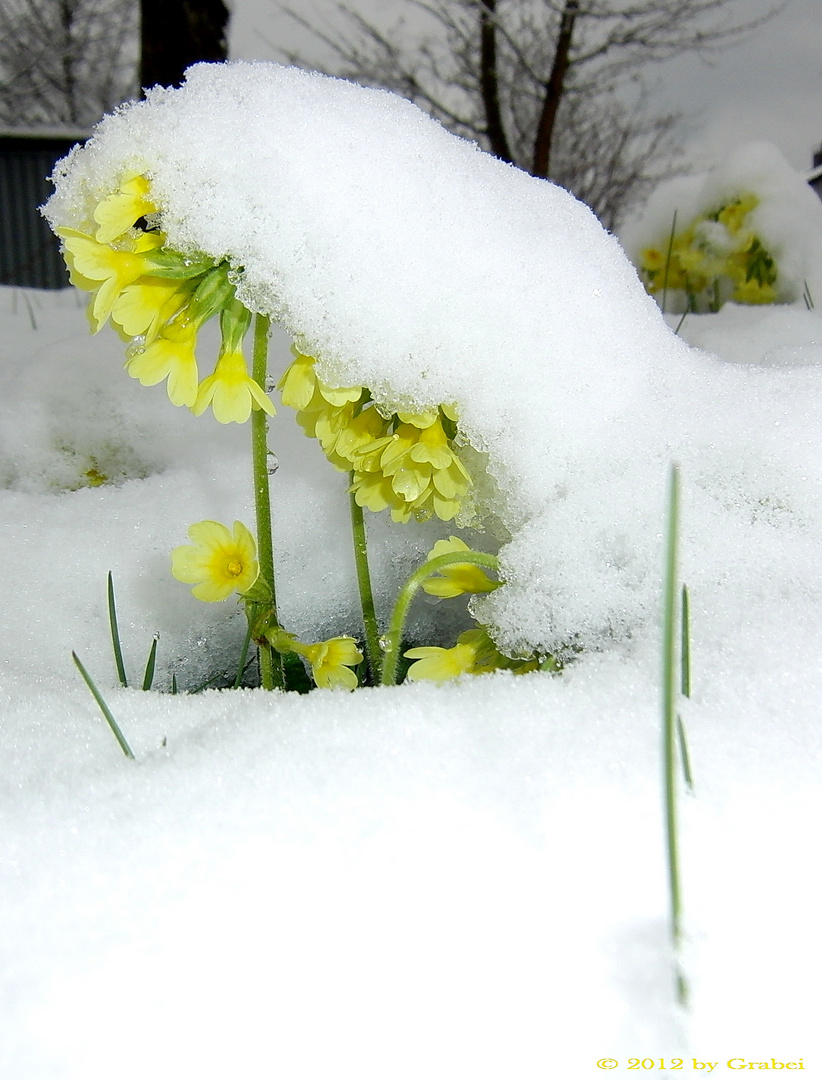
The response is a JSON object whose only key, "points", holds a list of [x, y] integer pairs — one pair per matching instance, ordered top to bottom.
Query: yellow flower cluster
{"points": [[717, 258], [157, 299], [406, 462]]}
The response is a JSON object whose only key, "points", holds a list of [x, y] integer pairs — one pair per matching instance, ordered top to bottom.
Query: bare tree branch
{"points": [[65, 61], [553, 86]]}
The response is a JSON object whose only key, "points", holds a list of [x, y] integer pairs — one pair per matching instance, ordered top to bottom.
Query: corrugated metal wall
{"points": [[29, 251]]}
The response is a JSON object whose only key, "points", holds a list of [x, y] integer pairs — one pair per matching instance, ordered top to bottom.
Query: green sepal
{"points": [[171, 264], [213, 293], [235, 319], [259, 593], [281, 640]]}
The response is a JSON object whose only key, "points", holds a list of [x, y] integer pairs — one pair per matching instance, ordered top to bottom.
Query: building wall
{"points": [[29, 251]]}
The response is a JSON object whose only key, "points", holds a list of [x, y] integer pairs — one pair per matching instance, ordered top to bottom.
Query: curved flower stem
{"points": [[407, 593], [373, 651], [271, 669]]}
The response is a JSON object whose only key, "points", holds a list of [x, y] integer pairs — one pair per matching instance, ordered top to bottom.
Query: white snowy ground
{"points": [[418, 882]]}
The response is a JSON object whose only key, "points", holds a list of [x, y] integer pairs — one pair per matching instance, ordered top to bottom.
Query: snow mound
{"points": [[412, 263]]}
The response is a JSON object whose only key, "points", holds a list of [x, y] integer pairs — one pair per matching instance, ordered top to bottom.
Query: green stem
{"points": [[407, 593], [373, 651], [271, 671], [669, 687]]}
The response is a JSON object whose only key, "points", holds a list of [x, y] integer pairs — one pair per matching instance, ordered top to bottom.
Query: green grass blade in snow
{"points": [[115, 633], [148, 677], [104, 709]]}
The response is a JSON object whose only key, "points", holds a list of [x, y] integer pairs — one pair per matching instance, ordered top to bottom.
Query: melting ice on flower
{"points": [[409, 262]]}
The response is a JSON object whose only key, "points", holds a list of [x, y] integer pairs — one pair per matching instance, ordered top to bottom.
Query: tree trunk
{"points": [[177, 33], [489, 81], [553, 91]]}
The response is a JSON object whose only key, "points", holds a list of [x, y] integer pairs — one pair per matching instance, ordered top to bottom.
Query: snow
{"points": [[457, 881]]}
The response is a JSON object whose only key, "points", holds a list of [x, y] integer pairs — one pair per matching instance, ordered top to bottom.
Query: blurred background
{"points": [[604, 97]]}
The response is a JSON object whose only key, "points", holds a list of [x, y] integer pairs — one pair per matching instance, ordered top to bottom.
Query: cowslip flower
{"points": [[116, 213], [105, 271], [143, 308], [170, 356], [231, 392], [219, 562], [458, 578], [474, 654], [331, 661], [439, 665]]}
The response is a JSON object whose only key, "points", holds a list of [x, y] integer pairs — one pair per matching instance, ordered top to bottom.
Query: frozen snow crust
{"points": [[409, 261]]}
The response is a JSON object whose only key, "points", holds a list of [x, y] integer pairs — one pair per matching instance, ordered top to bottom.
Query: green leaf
{"points": [[104, 709]]}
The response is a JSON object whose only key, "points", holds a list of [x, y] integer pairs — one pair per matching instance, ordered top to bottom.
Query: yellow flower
{"points": [[117, 213], [733, 215], [652, 260], [104, 271], [754, 292], [141, 309], [171, 356], [301, 389], [231, 391], [415, 470], [219, 562], [458, 578], [474, 654], [331, 662], [440, 665]]}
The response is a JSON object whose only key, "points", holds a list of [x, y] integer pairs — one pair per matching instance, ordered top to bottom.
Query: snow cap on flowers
{"points": [[412, 264]]}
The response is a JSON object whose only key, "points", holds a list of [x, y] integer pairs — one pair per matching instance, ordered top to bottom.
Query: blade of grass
{"points": [[667, 265], [115, 633], [685, 647], [243, 655], [151, 663], [685, 685], [104, 709], [669, 728], [684, 755]]}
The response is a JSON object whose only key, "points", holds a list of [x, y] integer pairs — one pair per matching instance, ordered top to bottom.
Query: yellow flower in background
{"points": [[117, 213], [733, 214], [717, 257], [652, 260], [104, 271], [754, 292], [170, 356], [231, 392], [219, 562], [458, 578], [439, 665]]}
